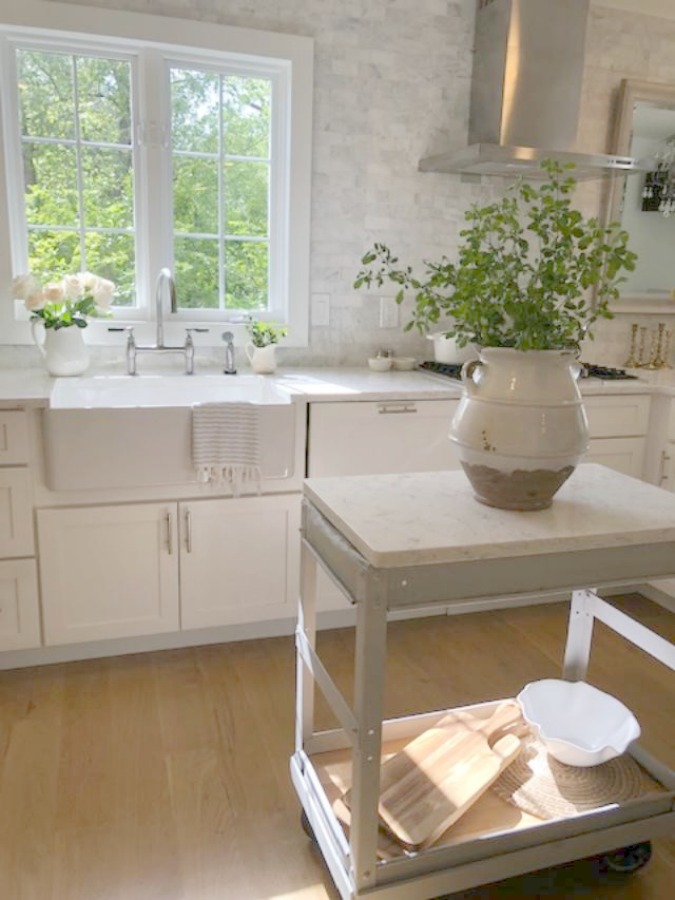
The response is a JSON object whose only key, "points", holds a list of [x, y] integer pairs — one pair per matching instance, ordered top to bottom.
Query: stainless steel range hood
{"points": [[526, 91]]}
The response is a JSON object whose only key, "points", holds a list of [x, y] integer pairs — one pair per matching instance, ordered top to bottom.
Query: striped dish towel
{"points": [[226, 444]]}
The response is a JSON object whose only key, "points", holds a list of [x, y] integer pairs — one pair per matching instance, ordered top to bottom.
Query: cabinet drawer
{"points": [[624, 416], [13, 437], [379, 437], [16, 518], [19, 610]]}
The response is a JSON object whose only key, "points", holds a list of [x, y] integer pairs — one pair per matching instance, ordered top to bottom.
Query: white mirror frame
{"points": [[633, 91]]}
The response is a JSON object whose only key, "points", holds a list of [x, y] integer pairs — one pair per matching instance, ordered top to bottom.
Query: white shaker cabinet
{"points": [[618, 426], [380, 437], [239, 560], [147, 568], [108, 571], [19, 601]]}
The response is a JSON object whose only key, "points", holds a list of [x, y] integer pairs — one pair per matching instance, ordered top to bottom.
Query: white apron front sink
{"points": [[123, 431]]}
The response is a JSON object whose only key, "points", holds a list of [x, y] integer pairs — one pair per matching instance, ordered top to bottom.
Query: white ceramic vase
{"points": [[63, 350], [263, 359], [520, 428]]}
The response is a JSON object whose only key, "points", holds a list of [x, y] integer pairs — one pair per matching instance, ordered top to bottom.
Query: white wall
{"points": [[391, 86]]}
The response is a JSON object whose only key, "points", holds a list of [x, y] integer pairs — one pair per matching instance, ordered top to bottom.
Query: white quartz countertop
{"points": [[34, 387], [432, 517]]}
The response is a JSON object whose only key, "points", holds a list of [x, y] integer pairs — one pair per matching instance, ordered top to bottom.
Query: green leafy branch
{"points": [[532, 272]]}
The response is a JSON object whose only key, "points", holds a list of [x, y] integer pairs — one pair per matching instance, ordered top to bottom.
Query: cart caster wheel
{"points": [[307, 828], [628, 859]]}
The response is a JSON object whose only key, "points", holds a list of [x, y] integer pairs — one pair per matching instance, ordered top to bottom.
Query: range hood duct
{"points": [[526, 91]]}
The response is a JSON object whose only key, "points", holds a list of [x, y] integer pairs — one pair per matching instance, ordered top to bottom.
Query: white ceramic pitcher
{"points": [[63, 349], [263, 359]]}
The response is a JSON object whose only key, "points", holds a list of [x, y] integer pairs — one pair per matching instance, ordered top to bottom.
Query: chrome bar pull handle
{"points": [[396, 408], [665, 459], [188, 531], [169, 532]]}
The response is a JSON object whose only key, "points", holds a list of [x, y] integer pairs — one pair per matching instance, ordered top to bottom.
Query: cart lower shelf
{"points": [[487, 837]]}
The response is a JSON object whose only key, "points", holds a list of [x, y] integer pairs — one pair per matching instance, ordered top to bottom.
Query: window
{"points": [[124, 156]]}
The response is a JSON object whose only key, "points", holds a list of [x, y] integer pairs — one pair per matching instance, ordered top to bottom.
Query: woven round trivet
{"points": [[540, 785]]}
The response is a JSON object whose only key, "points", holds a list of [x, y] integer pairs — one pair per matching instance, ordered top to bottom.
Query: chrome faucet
{"points": [[164, 276], [188, 348], [229, 369]]}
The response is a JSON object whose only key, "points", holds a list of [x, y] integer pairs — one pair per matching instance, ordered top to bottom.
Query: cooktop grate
{"points": [[589, 370]]}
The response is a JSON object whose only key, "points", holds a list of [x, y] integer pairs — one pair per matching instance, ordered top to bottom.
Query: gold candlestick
{"points": [[641, 347], [666, 348], [656, 360], [631, 362]]}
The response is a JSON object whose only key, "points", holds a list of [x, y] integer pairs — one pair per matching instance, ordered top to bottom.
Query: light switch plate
{"points": [[320, 310], [388, 312]]}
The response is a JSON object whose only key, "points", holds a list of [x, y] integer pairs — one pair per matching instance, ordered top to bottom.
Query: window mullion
{"points": [[78, 164], [154, 177], [222, 274]]}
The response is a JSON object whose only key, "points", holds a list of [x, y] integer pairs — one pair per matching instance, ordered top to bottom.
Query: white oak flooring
{"points": [[164, 776]]}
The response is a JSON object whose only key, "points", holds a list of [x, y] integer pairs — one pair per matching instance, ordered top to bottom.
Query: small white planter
{"points": [[520, 428]]}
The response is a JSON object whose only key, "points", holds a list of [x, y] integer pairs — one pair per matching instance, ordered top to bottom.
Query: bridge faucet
{"points": [[164, 276], [229, 369]]}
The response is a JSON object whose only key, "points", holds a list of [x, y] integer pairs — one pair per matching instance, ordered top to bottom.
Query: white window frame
{"points": [[153, 43]]}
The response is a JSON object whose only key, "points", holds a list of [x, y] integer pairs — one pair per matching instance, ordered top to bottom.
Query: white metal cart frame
{"points": [[604, 529]]}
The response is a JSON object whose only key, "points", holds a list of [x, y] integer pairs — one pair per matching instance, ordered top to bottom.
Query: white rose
{"points": [[88, 281], [23, 285], [72, 287], [54, 292], [103, 293], [35, 299]]}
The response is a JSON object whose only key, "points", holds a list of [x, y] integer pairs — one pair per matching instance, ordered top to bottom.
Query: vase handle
{"points": [[39, 344], [250, 350], [468, 370]]}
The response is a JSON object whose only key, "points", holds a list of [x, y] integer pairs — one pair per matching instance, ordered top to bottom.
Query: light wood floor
{"points": [[165, 776]]}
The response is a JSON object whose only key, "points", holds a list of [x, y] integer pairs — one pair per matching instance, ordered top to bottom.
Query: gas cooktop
{"points": [[454, 370]]}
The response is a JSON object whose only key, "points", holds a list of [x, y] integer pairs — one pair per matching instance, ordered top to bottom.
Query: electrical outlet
{"points": [[320, 310], [388, 312]]}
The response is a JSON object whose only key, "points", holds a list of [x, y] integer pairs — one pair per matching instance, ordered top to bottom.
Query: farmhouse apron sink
{"points": [[122, 431]]}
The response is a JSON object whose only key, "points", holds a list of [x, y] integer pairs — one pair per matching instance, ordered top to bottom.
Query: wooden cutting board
{"points": [[440, 774]]}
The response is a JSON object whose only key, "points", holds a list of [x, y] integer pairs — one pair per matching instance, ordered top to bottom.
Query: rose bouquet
{"points": [[62, 304]]}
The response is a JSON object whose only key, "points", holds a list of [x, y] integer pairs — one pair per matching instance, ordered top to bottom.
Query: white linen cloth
{"points": [[226, 444]]}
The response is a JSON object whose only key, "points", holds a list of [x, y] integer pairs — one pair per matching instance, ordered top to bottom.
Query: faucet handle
{"points": [[131, 346]]}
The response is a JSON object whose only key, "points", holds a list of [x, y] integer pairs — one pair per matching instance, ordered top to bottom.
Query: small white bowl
{"points": [[380, 363], [403, 363], [578, 724]]}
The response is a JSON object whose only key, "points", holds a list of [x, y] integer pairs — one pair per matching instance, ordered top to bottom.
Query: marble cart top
{"points": [[432, 517]]}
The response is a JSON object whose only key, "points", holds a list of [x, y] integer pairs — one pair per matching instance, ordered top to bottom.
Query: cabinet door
{"points": [[13, 437], [367, 438], [621, 454], [16, 514], [239, 560], [108, 571], [19, 609]]}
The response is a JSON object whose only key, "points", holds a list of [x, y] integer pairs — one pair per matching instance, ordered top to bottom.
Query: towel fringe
{"points": [[236, 476]]}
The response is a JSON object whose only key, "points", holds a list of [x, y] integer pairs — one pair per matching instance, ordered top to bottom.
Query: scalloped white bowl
{"points": [[578, 724]]}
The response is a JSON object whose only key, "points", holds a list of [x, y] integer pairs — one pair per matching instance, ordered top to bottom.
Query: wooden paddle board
{"points": [[435, 778]]}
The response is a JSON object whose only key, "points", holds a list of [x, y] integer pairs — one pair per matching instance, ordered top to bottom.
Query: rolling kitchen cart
{"points": [[393, 542]]}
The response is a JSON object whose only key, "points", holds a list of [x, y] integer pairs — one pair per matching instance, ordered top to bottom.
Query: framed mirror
{"points": [[644, 203]]}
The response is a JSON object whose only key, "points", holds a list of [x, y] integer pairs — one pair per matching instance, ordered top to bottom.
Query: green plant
{"points": [[532, 272], [65, 303], [264, 333]]}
